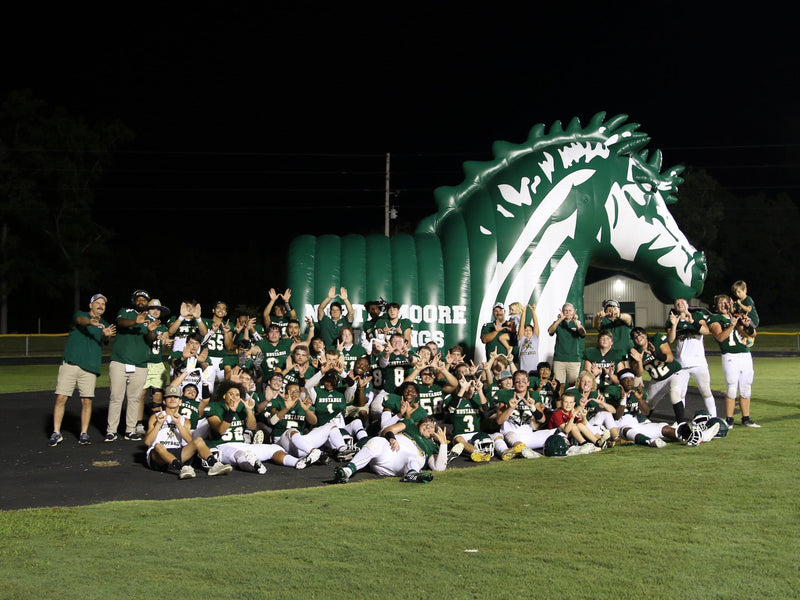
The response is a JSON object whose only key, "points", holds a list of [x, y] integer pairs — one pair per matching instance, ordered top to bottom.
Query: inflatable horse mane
{"points": [[523, 227]]}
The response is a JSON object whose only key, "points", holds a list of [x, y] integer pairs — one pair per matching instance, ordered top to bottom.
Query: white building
{"points": [[635, 298]]}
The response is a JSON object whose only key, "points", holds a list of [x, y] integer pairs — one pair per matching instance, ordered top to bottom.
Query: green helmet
{"points": [[723, 426], [556, 445]]}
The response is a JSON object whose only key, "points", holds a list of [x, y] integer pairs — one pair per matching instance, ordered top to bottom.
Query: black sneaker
{"points": [[729, 422], [748, 422], [133, 436], [110, 437], [55, 439], [84, 440], [341, 475], [415, 477]]}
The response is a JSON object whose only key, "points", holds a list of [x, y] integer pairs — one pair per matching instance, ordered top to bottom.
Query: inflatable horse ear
{"points": [[523, 227]]}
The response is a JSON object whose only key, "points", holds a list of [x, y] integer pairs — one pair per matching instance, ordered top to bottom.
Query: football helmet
{"points": [[723, 426], [483, 443], [556, 445]]}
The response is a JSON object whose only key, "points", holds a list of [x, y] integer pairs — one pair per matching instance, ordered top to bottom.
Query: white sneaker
{"points": [[141, 430], [710, 432], [656, 443], [528, 453], [312, 457], [219, 469], [187, 472]]}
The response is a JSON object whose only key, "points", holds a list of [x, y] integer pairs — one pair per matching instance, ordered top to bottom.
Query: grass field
{"points": [[718, 521]]}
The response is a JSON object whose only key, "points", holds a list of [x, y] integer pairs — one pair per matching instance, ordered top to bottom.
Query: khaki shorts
{"points": [[72, 376], [157, 376]]}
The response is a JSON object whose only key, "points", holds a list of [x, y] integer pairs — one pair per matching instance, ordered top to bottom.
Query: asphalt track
{"points": [[34, 475]]}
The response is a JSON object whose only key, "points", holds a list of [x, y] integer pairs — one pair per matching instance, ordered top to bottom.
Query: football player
{"points": [[279, 310], [392, 323], [688, 328], [730, 331], [218, 341], [652, 355], [604, 360], [229, 414], [521, 419], [171, 445], [403, 449]]}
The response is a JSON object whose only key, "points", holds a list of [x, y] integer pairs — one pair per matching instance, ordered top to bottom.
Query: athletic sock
{"points": [[679, 412], [641, 439]]}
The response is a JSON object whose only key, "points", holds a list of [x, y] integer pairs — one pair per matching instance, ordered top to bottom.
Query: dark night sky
{"points": [[262, 116]]}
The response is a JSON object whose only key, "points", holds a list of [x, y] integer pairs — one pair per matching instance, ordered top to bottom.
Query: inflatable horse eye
{"points": [[523, 227]]}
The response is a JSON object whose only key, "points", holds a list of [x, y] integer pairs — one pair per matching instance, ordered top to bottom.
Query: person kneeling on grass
{"points": [[170, 443], [402, 449]]}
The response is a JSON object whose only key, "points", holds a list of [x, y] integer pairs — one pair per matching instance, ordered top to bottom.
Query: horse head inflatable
{"points": [[523, 227]]}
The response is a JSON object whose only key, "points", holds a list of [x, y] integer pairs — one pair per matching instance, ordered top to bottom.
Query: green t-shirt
{"points": [[398, 326], [329, 330], [495, 343], [85, 344], [569, 344], [130, 347]]}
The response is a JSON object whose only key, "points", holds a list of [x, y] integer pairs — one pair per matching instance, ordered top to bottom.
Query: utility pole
{"points": [[386, 208]]}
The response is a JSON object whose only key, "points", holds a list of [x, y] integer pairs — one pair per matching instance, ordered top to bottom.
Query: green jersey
{"points": [[186, 328], [215, 340], [734, 343], [85, 344], [156, 348], [275, 354], [351, 355], [607, 361], [656, 363], [393, 372], [296, 374], [431, 398], [392, 403], [328, 405], [191, 410], [523, 413], [465, 414], [293, 419], [235, 432], [426, 446]]}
